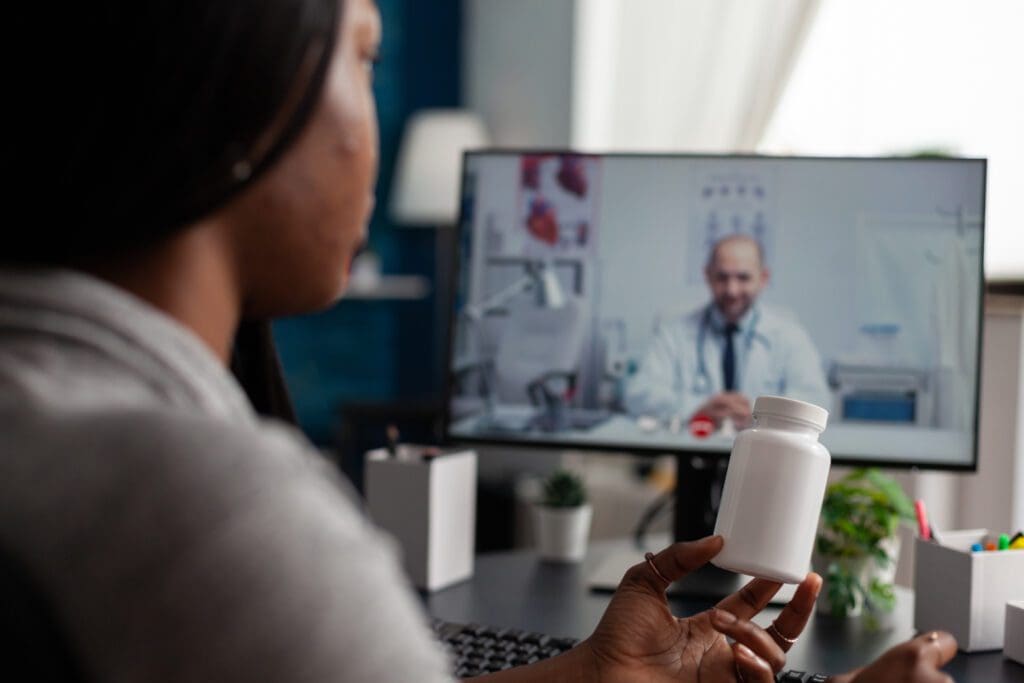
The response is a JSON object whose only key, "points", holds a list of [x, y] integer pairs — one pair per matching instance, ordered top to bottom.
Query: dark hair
{"points": [[169, 108], [257, 367]]}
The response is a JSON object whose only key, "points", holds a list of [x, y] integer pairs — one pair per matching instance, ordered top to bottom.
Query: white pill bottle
{"points": [[773, 491]]}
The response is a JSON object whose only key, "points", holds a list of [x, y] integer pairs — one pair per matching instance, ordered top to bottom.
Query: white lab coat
{"points": [[775, 356]]}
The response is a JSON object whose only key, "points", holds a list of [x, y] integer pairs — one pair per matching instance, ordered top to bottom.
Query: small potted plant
{"points": [[563, 518], [857, 546]]}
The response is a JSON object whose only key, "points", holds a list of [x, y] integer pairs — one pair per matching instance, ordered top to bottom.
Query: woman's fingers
{"points": [[672, 564], [751, 599], [791, 621], [751, 635], [934, 647], [919, 660], [749, 667]]}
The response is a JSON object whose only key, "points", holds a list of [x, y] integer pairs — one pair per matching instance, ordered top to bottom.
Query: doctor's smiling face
{"points": [[736, 274]]}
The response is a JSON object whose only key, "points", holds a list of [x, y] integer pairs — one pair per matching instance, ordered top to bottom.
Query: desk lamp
{"points": [[429, 168], [426, 193], [540, 277]]}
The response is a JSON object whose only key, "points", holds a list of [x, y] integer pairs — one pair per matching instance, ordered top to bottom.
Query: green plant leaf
{"points": [[563, 489], [896, 497], [859, 512]]}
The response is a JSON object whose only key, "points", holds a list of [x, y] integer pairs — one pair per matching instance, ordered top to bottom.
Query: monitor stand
{"points": [[699, 482], [698, 491]]}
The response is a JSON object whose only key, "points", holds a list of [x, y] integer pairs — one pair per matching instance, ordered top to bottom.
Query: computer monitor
{"points": [[640, 303]]}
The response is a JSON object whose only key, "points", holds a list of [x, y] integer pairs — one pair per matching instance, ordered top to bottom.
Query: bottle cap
{"points": [[792, 409]]}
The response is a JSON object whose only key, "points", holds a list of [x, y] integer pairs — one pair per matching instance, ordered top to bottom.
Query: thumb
{"points": [[673, 563], [846, 677]]}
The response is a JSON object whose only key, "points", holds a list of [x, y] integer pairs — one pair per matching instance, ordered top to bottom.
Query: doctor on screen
{"points": [[717, 359]]}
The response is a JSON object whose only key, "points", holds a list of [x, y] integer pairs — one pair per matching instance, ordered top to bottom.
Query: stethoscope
{"points": [[702, 380]]}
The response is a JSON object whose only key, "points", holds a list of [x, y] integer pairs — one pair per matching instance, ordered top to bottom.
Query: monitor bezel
{"points": [[455, 262]]}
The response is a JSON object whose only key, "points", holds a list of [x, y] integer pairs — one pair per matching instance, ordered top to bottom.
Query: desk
{"points": [[875, 441], [513, 589]]}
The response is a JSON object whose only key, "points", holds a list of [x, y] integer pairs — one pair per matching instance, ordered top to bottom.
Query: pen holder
{"points": [[428, 503], [965, 592], [1014, 637]]}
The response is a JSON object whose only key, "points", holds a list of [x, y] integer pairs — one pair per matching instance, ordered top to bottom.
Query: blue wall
{"points": [[360, 351]]}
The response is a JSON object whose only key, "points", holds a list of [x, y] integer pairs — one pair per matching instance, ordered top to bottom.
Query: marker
{"points": [[923, 530], [1016, 537], [1004, 541], [1018, 544], [990, 546], [976, 548]]}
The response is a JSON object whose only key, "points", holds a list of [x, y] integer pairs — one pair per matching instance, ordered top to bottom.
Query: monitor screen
{"points": [[641, 303]]}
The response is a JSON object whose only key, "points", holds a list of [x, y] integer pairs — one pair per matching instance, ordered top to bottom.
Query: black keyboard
{"points": [[476, 650]]}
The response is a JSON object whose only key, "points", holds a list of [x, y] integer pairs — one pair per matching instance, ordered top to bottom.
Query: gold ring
{"points": [[649, 558], [774, 630]]}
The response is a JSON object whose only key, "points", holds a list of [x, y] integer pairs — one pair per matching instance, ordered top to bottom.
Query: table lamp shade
{"points": [[428, 173]]}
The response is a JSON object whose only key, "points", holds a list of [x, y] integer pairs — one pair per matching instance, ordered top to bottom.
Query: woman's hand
{"points": [[639, 639], [915, 661]]}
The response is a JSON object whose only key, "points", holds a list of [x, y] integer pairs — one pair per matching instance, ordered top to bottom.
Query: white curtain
{"points": [[688, 75], [883, 77]]}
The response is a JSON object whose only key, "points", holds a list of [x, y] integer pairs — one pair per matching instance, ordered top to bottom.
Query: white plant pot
{"points": [[562, 532], [865, 569]]}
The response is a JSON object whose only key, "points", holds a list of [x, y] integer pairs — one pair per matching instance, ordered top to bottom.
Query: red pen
{"points": [[923, 530]]}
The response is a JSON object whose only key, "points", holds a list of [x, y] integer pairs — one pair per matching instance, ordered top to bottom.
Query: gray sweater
{"points": [[178, 536]]}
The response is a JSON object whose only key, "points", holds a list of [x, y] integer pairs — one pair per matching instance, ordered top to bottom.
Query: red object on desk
{"points": [[702, 426]]}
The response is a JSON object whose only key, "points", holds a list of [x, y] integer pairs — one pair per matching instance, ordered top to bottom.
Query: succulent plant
{"points": [[563, 489]]}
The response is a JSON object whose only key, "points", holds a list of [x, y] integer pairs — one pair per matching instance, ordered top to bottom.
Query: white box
{"points": [[429, 505], [965, 593], [1013, 647]]}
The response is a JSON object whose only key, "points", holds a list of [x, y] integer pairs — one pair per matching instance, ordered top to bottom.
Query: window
{"points": [[879, 77]]}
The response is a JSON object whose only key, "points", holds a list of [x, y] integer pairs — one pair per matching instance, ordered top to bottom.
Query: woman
{"points": [[220, 165]]}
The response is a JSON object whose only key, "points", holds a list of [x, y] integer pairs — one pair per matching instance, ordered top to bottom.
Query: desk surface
{"points": [[869, 441], [516, 590]]}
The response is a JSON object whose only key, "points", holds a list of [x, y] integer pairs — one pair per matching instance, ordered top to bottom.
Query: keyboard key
{"points": [[476, 649], [792, 677]]}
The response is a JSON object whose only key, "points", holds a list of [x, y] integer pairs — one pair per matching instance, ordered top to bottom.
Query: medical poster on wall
{"points": [[730, 202], [556, 211]]}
